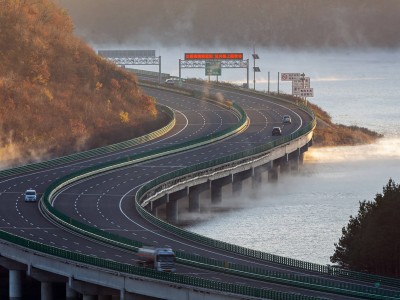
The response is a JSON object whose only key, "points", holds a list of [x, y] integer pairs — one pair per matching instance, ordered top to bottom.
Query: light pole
{"points": [[255, 69], [303, 80]]}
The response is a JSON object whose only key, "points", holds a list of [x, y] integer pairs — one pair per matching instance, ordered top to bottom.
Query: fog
{"points": [[279, 23]]}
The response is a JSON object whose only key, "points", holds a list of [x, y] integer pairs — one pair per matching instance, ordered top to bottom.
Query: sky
{"points": [[306, 24]]}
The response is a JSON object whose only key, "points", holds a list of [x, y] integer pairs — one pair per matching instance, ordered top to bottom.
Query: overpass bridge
{"points": [[99, 206]]}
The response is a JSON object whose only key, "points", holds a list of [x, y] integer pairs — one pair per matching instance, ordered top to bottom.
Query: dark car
{"points": [[276, 131]]}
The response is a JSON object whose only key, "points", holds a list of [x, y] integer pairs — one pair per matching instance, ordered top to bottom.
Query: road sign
{"points": [[213, 68], [290, 76], [302, 84], [297, 85], [309, 92]]}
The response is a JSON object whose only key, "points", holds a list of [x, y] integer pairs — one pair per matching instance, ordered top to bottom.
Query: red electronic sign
{"points": [[212, 56]]}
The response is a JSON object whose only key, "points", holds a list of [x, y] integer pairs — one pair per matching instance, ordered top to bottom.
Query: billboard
{"points": [[213, 56]]}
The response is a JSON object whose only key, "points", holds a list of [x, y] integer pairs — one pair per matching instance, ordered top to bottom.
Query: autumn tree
{"points": [[57, 96], [371, 241]]}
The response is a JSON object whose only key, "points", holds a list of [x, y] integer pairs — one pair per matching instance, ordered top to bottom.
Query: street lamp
{"points": [[255, 69]]}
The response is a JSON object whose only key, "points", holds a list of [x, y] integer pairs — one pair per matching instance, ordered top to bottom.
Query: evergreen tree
{"points": [[371, 241]]}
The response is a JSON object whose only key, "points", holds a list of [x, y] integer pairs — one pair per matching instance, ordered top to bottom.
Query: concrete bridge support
{"points": [[284, 164], [273, 172], [256, 180], [237, 181], [216, 188], [194, 196], [172, 204], [15, 273], [46, 281], [15, 286], [46, 290], [92, 291], [70, 294]]}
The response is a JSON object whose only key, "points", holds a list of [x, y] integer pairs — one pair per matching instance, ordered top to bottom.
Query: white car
{"points": [[170, 81], [287, 119], [30, 195]]}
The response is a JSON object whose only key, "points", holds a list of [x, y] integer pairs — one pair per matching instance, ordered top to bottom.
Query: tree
{"points": [[371, 241]]}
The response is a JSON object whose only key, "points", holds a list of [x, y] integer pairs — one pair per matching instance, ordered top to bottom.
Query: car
{"points": [[170, 81], [286, 119], [276, 131], [30, 195]]}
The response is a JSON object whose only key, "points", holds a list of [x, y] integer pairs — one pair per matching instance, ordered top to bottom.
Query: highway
{"points": [[105, 201]]}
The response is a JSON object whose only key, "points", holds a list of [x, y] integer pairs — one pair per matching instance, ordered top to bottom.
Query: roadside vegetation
{"points": [[57, 96], [329, 134], [371, 240]]}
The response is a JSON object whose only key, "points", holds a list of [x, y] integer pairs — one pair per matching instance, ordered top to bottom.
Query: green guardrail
{"points": [[95, 152], [115, 239], [149, 273], [303, 281]]}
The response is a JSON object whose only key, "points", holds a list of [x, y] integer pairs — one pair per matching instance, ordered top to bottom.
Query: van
{"points": [[30, 195]]}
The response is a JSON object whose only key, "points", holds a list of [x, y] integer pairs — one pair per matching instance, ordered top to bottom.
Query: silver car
{"points": [[286, 119], [30, 195]]}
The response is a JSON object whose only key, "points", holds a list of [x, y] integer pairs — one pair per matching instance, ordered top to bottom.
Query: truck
{"points": [[161, 259]]}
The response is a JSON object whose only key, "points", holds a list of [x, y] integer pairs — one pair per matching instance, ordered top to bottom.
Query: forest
{"points": [[57, 96]]}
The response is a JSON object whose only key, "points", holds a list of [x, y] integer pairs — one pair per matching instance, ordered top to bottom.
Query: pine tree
{"points": [[371, 241]]}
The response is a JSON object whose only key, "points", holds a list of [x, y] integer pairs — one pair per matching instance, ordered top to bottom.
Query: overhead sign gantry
{"points": [[133, 57], [213, 62]]}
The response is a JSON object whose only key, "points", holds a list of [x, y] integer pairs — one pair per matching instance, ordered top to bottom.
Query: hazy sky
{"points": [[282, 23]]}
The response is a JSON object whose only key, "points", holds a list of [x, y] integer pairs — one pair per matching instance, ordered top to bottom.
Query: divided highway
{"points": [[106, 201]]}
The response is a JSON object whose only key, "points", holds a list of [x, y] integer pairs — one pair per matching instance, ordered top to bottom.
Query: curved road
{"points": [[106, 200]]}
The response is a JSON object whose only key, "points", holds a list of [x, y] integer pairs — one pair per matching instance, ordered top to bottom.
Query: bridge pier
{"points": [[284, 164], [273, 173], [256, 180], [237, 181], [216, 188], [194, 196], [172, 204], [15, 273], [46, 281], [15, 286], [46, 290], [90, 291], [70, 294]]}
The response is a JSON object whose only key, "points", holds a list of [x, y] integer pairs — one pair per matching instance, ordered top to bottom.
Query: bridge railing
{"points": [[149, 273]]}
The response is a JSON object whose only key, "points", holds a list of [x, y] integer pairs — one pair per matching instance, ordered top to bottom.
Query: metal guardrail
{"points": [[95, 152], [149, 273]]}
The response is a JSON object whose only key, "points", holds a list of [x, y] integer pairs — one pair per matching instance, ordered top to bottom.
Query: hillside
{"points": [[57, 96], [329, 134]]}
